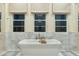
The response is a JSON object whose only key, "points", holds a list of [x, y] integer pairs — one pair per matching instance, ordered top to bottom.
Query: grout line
{"points": [[3, 53], [11, 53], [63, 53], [68, 53], [75, 53], [18, 54], [60, 54]]}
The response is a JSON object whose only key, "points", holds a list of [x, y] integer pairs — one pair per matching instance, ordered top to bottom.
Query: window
{"points": [[39, 16], [0, 22], [39, 22], [18, 23], [60, 23]]}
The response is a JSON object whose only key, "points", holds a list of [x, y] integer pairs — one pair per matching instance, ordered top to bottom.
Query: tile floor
{"points": [[17, 53]]}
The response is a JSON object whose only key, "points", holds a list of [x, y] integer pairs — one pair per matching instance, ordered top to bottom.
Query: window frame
{"points": [[19, 20], [41, 20], [59, 20], [0, 21]]}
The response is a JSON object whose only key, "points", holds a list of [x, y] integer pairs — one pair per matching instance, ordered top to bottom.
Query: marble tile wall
{"points": [[12, 39], [77, 41], [2, 42]]}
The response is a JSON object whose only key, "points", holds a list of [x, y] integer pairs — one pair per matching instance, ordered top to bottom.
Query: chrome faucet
{"points": [[41, 39]]}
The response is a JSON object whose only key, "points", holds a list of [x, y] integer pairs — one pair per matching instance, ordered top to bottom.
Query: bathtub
{"points": [[31, 47]]}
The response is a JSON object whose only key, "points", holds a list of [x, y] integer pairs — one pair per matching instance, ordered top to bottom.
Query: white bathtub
{"points": [[31, 47]]}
